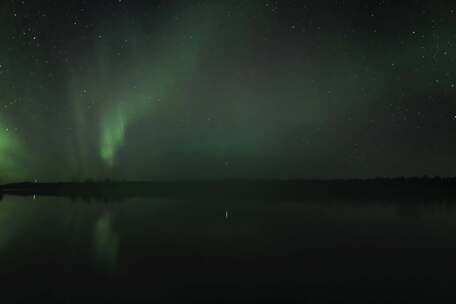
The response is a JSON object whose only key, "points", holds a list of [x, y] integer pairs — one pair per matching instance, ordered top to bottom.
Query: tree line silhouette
{"points": [[110, 190]]}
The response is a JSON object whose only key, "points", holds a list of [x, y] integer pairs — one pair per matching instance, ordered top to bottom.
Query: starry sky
{"points": [[163, 90]]}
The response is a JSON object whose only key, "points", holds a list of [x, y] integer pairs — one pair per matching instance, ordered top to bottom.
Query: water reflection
{"points": [[8, 222], [106, 242], [150, 248]]}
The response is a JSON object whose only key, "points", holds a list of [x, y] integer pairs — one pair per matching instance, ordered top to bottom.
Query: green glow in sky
{"points": [[149, 80], [158, 90], [113, 91], [113, 135], [10, 153]]}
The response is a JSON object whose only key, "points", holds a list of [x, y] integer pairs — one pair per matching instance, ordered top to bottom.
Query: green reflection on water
{"points": [[8, 213], [106, 241]]}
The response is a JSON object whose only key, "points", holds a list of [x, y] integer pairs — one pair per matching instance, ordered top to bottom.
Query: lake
{"points": [[219, 250]]}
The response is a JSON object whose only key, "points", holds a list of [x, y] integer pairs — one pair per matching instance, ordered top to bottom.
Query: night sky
{"points": [[153, 90]]}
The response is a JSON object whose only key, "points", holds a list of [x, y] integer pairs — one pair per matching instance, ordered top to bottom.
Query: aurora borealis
{"points": [[226, 89], [10, 153]]}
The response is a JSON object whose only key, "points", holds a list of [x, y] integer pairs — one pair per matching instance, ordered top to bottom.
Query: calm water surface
{"points": [[162, 250]]}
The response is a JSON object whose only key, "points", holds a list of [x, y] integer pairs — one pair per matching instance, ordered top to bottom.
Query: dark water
{"points": [[187, 251]]}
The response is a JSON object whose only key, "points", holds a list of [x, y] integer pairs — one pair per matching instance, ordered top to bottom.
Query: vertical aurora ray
{"points": [[128, 73], [157, 80], [125, 89], [113, 136], [11, 154]]}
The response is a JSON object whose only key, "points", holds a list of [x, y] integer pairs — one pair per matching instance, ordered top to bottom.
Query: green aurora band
{"points": [[122, 90], [11, 154]]}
